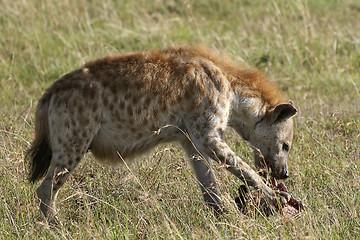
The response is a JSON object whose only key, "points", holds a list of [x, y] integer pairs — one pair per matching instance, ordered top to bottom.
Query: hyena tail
{"points": [[40, 152]]}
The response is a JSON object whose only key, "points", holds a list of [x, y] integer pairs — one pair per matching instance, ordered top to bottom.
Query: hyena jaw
{"points": [[116, 105]]}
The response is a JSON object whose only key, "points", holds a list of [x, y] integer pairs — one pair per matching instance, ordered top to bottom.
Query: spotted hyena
{"points": [[121, 106]]}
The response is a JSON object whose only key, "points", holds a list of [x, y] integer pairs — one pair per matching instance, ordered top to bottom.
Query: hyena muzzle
{"points": [[121, 106]]}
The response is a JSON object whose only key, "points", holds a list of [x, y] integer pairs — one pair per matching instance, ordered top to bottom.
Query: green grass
{"points": [[310, 48]]}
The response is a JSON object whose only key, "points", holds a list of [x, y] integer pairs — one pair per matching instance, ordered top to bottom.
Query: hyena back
{"points": [[121, 106]]}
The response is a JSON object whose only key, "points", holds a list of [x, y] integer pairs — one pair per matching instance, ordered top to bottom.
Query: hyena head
{"points": [[272, 140]]}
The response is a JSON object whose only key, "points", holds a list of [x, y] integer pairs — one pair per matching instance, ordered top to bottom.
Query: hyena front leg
{"points": [[216, 148], [202, 168]]}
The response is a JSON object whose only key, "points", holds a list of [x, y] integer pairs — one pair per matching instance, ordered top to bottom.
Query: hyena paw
{"points": [[276, 198], [279, 198]]}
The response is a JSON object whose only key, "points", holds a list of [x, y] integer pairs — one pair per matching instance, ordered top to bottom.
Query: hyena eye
{"points": [[285, 147]]}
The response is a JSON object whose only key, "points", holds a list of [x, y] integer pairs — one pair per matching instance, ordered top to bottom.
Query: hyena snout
{"points": [[279, 167], [280, 171]]}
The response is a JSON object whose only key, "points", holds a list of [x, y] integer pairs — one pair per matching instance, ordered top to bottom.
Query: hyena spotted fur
{"points": [[121, 106]]}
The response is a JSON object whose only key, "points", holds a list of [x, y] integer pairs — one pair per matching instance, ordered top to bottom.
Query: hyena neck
{"points": [[246, 112]]}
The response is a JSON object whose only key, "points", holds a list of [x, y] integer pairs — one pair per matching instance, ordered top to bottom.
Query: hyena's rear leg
{"points": [[71, 132], [62, 164], [202, 168]]}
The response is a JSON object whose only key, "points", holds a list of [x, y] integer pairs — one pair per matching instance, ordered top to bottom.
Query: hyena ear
{"points": [[283, 111]]}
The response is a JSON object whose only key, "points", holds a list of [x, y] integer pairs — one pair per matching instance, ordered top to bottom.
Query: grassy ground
{"points": [[310, 48]]}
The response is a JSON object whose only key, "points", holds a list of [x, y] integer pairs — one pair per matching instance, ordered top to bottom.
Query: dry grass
{"points": [[310, 48]]}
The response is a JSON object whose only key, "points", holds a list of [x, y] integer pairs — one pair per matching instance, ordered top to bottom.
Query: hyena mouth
{"points": [[264, 162], [265, 166]]}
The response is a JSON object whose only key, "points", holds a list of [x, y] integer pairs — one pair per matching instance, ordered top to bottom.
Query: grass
{"points": [[310, 48]]}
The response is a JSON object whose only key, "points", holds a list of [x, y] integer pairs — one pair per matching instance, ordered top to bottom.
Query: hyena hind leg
{"points": [[202, 167], [60, 168]]}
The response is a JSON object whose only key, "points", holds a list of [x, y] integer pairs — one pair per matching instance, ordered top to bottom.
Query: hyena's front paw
{"points": [[276, 198], [281, 198], [267, 201]]}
